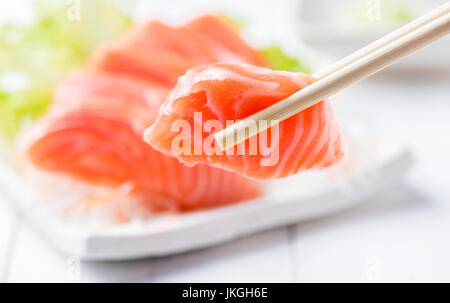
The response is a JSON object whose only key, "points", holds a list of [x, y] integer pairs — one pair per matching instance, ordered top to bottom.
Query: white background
{"points": [[401, 235]]}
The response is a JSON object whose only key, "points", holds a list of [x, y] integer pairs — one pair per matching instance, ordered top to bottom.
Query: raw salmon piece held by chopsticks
{"points": [[207, 97]]}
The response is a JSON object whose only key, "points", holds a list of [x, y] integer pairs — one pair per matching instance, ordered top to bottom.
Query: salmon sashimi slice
{"points": [[156, 35], [205, 39], [222, 40], [163, 53], [158, 65], [133, 98], [208, 98], [91, 115], [93, 133], [94, 146], [101, 149]]}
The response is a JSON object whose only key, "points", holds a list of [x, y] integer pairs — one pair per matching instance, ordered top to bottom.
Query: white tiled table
{"points": [[402, 235]]}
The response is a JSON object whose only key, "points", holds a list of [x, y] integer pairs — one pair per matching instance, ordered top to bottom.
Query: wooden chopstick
{"points": [[351, 69]]}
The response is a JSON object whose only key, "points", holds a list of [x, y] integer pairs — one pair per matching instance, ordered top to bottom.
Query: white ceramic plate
{"points": [[370, 167]]}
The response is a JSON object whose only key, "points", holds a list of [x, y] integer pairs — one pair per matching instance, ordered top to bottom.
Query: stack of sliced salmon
{"points": [[94, 128]]}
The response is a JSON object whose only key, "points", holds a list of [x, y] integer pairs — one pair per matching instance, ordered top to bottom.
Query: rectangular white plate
{"points": [[370, 167]]}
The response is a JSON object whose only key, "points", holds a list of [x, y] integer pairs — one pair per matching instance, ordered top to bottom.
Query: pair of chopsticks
{"points": [[353, 68]]}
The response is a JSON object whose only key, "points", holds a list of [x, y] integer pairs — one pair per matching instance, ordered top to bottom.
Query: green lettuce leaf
{"points": [[237, 23], [59, 39], [274, 55], [278, 60]]}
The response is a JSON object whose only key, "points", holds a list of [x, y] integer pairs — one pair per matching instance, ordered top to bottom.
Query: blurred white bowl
{"points": [[341, 27]]}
